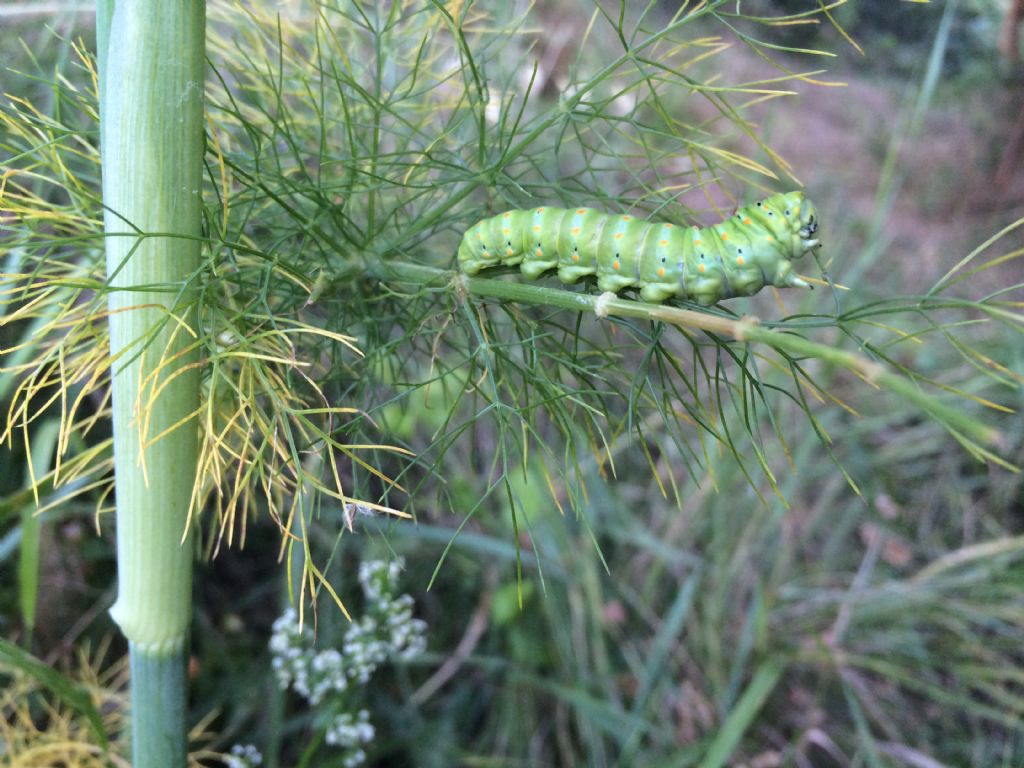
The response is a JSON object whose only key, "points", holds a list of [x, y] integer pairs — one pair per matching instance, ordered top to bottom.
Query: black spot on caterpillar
{"points": [[736, 257]]}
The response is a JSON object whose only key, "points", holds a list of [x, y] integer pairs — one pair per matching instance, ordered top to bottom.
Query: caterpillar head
{"points": [[807, 218], [794, 220]]}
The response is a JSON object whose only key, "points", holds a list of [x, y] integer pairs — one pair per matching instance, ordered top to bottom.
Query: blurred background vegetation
{"points": [[620, 591]]}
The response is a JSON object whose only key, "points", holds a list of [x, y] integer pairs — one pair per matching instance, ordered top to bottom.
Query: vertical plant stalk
{"points": [[151, 139]]}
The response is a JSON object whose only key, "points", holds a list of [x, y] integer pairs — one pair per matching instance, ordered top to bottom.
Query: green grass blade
{"points": [[43, 443], [743, 714]]}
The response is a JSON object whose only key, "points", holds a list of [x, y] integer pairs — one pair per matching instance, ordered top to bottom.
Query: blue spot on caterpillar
{"points": [[736, 257]]}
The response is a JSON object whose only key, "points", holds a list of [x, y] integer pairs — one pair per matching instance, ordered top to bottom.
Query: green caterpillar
{"points": [[736, 257]]}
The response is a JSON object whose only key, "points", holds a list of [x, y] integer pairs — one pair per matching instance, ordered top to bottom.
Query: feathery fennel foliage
{"points": [[420, 118], [349, 145], [347, 150], [261, 411]]}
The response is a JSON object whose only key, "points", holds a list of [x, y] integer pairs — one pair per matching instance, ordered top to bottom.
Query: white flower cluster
{"points": [[378, 577], [387, 630], [404, 636], [408, 636], [364, 649], [293, 662], [327, 673], [351, 733], [243, 756]]}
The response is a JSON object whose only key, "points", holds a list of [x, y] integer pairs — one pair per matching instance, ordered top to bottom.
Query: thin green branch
{"points": [[746, 329]]}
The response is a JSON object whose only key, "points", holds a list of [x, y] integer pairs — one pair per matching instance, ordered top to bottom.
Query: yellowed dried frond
{"points": [[823, 283], [59, 364], [263, 415], [255, 425], [38, 730]]}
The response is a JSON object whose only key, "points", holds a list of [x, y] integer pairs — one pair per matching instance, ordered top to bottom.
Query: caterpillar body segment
{"points": [[736, 257]]}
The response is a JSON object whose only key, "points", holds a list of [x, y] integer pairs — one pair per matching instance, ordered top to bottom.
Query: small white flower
{"points": [[386, 630], [243, 756]]}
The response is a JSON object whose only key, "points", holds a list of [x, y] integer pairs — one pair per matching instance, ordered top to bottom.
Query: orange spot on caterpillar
{"points": [[540, 210], [581, 210], [507, 215], [626, 218], [746, 220], [667, 226], [536, 228], [575, 230], [505, 231], [618, 235], [725, 235], [770, 238], [663, 242], [696, 242], [509, 252], [538, 253], [487, 255], [575, 258], [740, 261], [615, 264], [700, 268], [661, 271]]}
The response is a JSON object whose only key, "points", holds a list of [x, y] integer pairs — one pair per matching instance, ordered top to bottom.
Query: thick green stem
{"points": [[152, 145], [159, 707]]}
